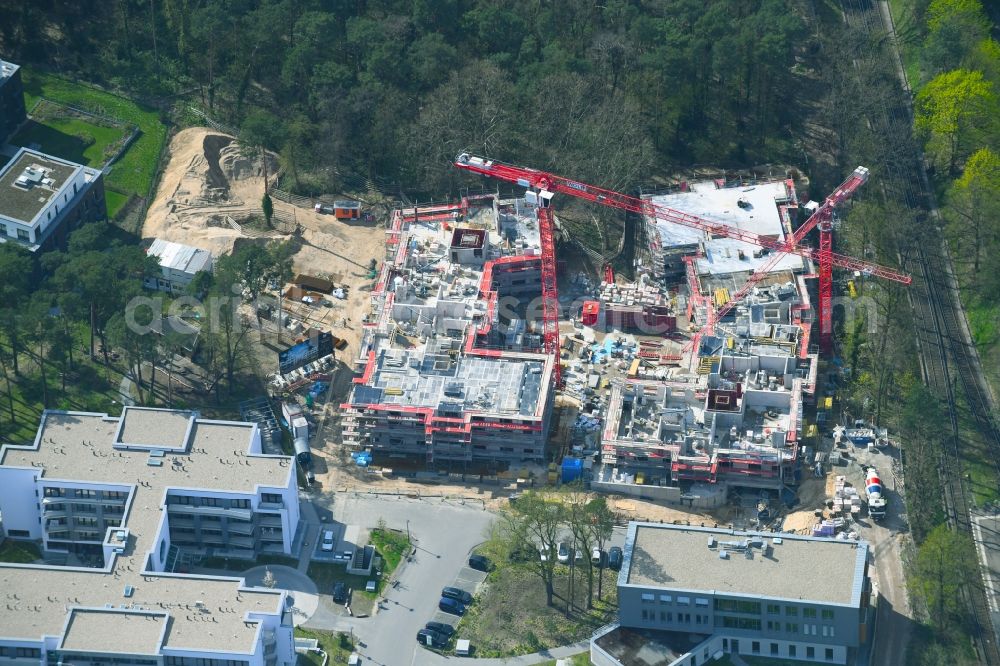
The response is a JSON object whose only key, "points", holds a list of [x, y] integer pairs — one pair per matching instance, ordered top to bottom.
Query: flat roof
{"points": [[7, 70], [41, 177], [760, 215], [180, 257], [506, 385], [151, 427], [76, 449], [800, 568], [108, 630]]}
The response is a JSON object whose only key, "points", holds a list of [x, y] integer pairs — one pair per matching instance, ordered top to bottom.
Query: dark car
{"points": [[615, 558], [480, 563], [339, 593], [457, 594], [449, 605], [441, 627], [431, 638]]}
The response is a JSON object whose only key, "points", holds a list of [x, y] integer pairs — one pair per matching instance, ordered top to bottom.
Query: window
{"points": [[3, 229], [22, 235], [53, 492], [83, 492], [115, 494], [270, 498], [210, 501], [239, 504], [84, 508], [211, 519], [86, 522], [23, 534], [647, 597], [665, 598], [684, 601], [701, 602], [737, 606], [773, 609], [791, 611], [809, 613], [645, 614], [827, 614], [670, 617], [697, 619], [740, 623], [773, 626], [791, 628], [825, 630], [755, 647], [774, 648], [791, 650], [28, 652], [810, 652], [829, 654]]}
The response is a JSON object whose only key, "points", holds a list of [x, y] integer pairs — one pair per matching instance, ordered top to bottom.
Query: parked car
{"points": [[327, 541], [562, 553], [597, 557], [615, 558], [480, 562], [339, 592], [457, 594], [449, 605], [441, 628], [431, 638]]}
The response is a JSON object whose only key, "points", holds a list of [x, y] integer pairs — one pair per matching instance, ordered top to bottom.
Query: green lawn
{"points": [[72, 138], [134, 172], [115, 201], [391, 545], [19, 552], [510, 615], [338, 647], [582, 659]]}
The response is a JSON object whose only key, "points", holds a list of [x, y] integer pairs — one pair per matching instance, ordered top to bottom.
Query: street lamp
{"points": [[407, 531]]}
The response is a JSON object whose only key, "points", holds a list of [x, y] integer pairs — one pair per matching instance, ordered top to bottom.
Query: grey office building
{"points": [[773, 595]]}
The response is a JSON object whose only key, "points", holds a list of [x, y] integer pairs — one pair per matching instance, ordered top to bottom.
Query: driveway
{"points": [[443, 532], [302, 593]]}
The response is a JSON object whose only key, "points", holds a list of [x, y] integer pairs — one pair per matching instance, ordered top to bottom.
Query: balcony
{"points": [[270, 506], [239, 514], [268, 520], [240, 528]]}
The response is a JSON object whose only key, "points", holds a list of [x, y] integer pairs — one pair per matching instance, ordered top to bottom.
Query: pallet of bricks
{"points": [[846, 499]]}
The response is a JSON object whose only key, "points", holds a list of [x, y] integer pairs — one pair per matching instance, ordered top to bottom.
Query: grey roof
{"points": [[7, 70], [24, 203], [180, 257], [507, 385], [80, 448], [796, 567], [139, 632]]}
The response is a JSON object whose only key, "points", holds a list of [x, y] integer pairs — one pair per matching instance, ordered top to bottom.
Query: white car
{"points": [[327, 540], [562, 553]]}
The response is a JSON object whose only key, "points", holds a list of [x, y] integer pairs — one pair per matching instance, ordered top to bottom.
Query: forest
{"points": [[389, 91]]}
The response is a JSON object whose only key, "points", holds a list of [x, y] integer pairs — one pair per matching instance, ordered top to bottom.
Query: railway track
{"points": [[947, 359]]}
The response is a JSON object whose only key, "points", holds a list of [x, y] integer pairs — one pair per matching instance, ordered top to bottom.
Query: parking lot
{"points": [[467, 579]]}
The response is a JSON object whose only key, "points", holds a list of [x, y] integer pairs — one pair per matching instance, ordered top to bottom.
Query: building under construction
{"points": [[451, 364]]}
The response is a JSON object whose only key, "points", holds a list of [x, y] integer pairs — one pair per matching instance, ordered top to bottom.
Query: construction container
{"points": [[591, 313], [572, 469]]}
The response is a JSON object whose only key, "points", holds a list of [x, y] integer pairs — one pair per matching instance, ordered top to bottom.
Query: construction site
{"points": [[468, 349], [679, 386]]}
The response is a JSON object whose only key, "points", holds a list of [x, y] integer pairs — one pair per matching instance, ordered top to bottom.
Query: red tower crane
{"points": [[546, 184], [822, 217]]}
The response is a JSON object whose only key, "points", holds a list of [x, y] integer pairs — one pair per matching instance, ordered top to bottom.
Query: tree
{"points": [[955, 27], [951, 108], [267, 206], [973, 210], [15, 276], [578, 520], [534, 523], [601, 523], [945, 562], [269, 579]]}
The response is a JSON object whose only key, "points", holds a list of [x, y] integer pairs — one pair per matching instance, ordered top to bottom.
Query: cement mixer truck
{"points": [[875, 493]]}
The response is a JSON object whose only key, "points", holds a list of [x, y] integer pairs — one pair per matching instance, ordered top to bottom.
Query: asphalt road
{"points": [[986, 531], [444, 532]]}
